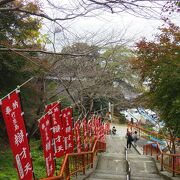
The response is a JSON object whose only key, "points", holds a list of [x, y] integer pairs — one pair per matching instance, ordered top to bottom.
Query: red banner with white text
{"points": [[13, 117], [98, 122], [57, 126], [96, 126], [107, 128], [68, 132], [102, 133], [85, 134], [90, 134], [46, 136], [78, 136]]}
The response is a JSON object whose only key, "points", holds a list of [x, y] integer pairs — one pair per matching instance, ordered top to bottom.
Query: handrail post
{"points": [[139, 133], [151, 149], [143, 150], [157, 152], [92, 154], [87, 159], [162, 161], [83, 163], [173, 166], [67, 170]]}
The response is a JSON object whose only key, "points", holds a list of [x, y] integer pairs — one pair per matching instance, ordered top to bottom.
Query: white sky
{"points": [[104, 25]]}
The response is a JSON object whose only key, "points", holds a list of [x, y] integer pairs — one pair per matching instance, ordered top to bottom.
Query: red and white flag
{"points": [[13, 117], [57, 126], [96, 126], [107, 128], [68, 132], [102, 133], [85, 134], [90, 134], [46, 136], [78, 136]]}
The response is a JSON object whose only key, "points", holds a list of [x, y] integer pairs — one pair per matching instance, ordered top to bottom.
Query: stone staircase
{"points": [[112, 165], [143, 167]]}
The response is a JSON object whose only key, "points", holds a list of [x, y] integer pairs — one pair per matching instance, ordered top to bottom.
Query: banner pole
{"points": [[27, 135]]}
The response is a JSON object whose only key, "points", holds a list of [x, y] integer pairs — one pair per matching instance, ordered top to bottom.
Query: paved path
{"points": [[121, 129], [112, 165]]}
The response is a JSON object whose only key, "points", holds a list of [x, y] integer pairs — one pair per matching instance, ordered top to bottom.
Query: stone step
{"points": [[113, 155], [122, 156], [140, 157], [111, 164], [112, 167], [106, 172], [106, 176], [143, 176]]}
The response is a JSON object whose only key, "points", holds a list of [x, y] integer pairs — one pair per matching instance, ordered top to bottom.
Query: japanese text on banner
{"points": [[13, 116], [57, 126], [68, 133], [90, 134], [85, 135], [46, 136], [78, 136]]}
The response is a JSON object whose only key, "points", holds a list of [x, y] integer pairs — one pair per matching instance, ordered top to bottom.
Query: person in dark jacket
{"points": [[132, 121], [114, 130], [129, 140]]}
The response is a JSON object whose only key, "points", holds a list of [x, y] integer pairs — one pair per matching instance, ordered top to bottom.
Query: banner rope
{"points": [[18, 87]]}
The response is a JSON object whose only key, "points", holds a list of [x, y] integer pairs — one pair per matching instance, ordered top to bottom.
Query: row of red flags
{"points": [[57, 133]]}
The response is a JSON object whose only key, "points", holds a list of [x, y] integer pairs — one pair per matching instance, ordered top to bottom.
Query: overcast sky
{"points": [[128, 26]]}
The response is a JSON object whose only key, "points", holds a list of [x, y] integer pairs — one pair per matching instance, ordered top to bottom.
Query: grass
{"points": [[7, 167]]}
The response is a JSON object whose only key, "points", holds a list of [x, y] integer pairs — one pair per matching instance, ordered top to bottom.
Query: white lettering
{"points": [[19, 138]]}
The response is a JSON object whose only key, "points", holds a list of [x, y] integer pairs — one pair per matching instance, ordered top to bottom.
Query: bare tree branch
{"points": [[3, 2], [42, 15], [41, 51]]}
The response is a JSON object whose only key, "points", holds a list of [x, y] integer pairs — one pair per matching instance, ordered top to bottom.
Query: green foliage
{"points": [[18, 30], [118, 62], [159, 62], [8, 170]]}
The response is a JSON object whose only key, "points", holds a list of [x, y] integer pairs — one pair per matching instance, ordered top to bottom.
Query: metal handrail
{"points": [[152, 133], [172, 158], [78, 162], [128, 168]]}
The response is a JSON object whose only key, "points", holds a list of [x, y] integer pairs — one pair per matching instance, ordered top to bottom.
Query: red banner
{"points": [[13, 117], [95, 120], [98, 122], [107, 128], [58, 133], [68, 133], [102, 133], [85, 134], [90, 134], [46, 136], [78, 136]]}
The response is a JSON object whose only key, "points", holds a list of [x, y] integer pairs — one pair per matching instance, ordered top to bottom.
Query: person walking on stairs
{"points": [[135, 138], [129, 139]]}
